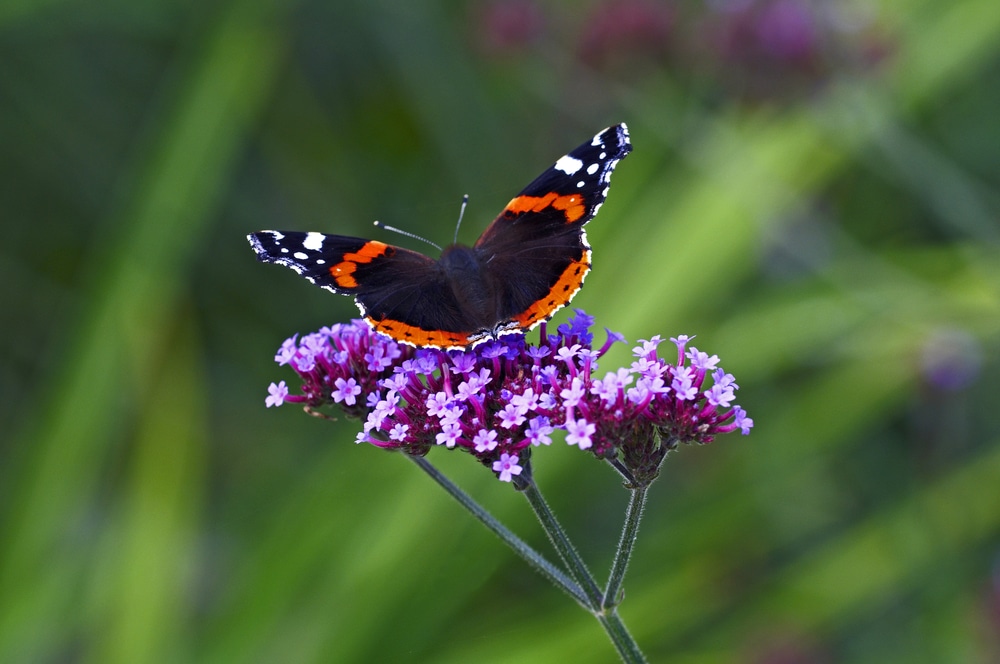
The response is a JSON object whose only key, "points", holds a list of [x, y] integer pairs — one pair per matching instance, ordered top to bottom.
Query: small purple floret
{"points": [[277, 393]]}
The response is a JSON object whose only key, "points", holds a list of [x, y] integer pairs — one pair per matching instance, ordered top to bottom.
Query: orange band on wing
{"points": [[571, 205], [343, 272], [559, 295], [416, 336]]}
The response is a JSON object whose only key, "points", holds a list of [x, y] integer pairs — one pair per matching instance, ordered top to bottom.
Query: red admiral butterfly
{"points": [[526, 265]]}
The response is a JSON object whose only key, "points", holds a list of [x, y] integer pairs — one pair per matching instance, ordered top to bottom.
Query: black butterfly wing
{"points": [[535, 252], [401, 293]]}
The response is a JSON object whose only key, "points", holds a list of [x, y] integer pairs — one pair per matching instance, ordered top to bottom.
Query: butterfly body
{"points": [[527, 264]]}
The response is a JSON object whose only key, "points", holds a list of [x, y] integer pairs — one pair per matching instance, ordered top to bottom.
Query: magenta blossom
{"points": [[501, 399]]}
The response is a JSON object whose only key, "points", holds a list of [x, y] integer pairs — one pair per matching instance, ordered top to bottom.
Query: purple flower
{"points": [[578, 326], [680, 340], [314, 343], [648, 346], [287, 351], [539, 352], [567, 354], [380, 357], [304, 361], [702, 361], [647, 367], [725, 379], [396, 383], [683, 383], [347, 391], [276, 394], [572, 395], [720, 395], [501, 399], [526, 401], [437, 404], [511, 416], [743, 422], [539, 431], [579, 432], [448, 436], [484, 440], [506, 467]]}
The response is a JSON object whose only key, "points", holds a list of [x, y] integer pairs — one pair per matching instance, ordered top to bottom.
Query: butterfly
{"points": [[527, 264]]}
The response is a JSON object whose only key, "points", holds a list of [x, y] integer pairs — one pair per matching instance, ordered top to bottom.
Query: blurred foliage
{"points": [[813, 192]]}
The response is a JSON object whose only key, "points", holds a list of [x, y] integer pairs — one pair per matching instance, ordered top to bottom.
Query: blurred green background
{"points": [[813, 192]]}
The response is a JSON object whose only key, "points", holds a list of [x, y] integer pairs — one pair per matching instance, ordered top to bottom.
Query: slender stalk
{"points": [[623, 471], [630, 530], [533, 558], [574, 563], [585, 589], [623, 642], [626, 646]]}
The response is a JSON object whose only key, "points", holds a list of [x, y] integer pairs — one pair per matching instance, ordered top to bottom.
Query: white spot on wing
{"points": [[568, 165], [593, 168], [313, 241], [301, 256]]}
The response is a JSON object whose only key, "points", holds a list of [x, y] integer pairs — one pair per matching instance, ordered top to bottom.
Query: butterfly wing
{"points": [[536, 252], [527, 264], [401, 293]]}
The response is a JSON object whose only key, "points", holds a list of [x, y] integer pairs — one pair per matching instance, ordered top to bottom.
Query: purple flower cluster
{"points": [[502, 398]]}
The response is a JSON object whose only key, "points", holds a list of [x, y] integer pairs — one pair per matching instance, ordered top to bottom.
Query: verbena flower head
{"points": [[503, 398]]}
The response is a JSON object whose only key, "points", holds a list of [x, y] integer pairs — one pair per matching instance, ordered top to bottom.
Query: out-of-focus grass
{"points": [[827, 245]]}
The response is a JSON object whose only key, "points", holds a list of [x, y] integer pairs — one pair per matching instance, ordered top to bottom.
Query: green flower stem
{"points": [[623, 471], [630, 530], [533, 558], [571, 559], [585, 590], [626, 646]]}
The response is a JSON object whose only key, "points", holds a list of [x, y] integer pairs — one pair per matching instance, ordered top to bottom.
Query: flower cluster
{"points": [[502, 398]]}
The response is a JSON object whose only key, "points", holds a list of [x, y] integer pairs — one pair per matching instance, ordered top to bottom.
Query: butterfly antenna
{"points": [[461, 213], [402, 232]]}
